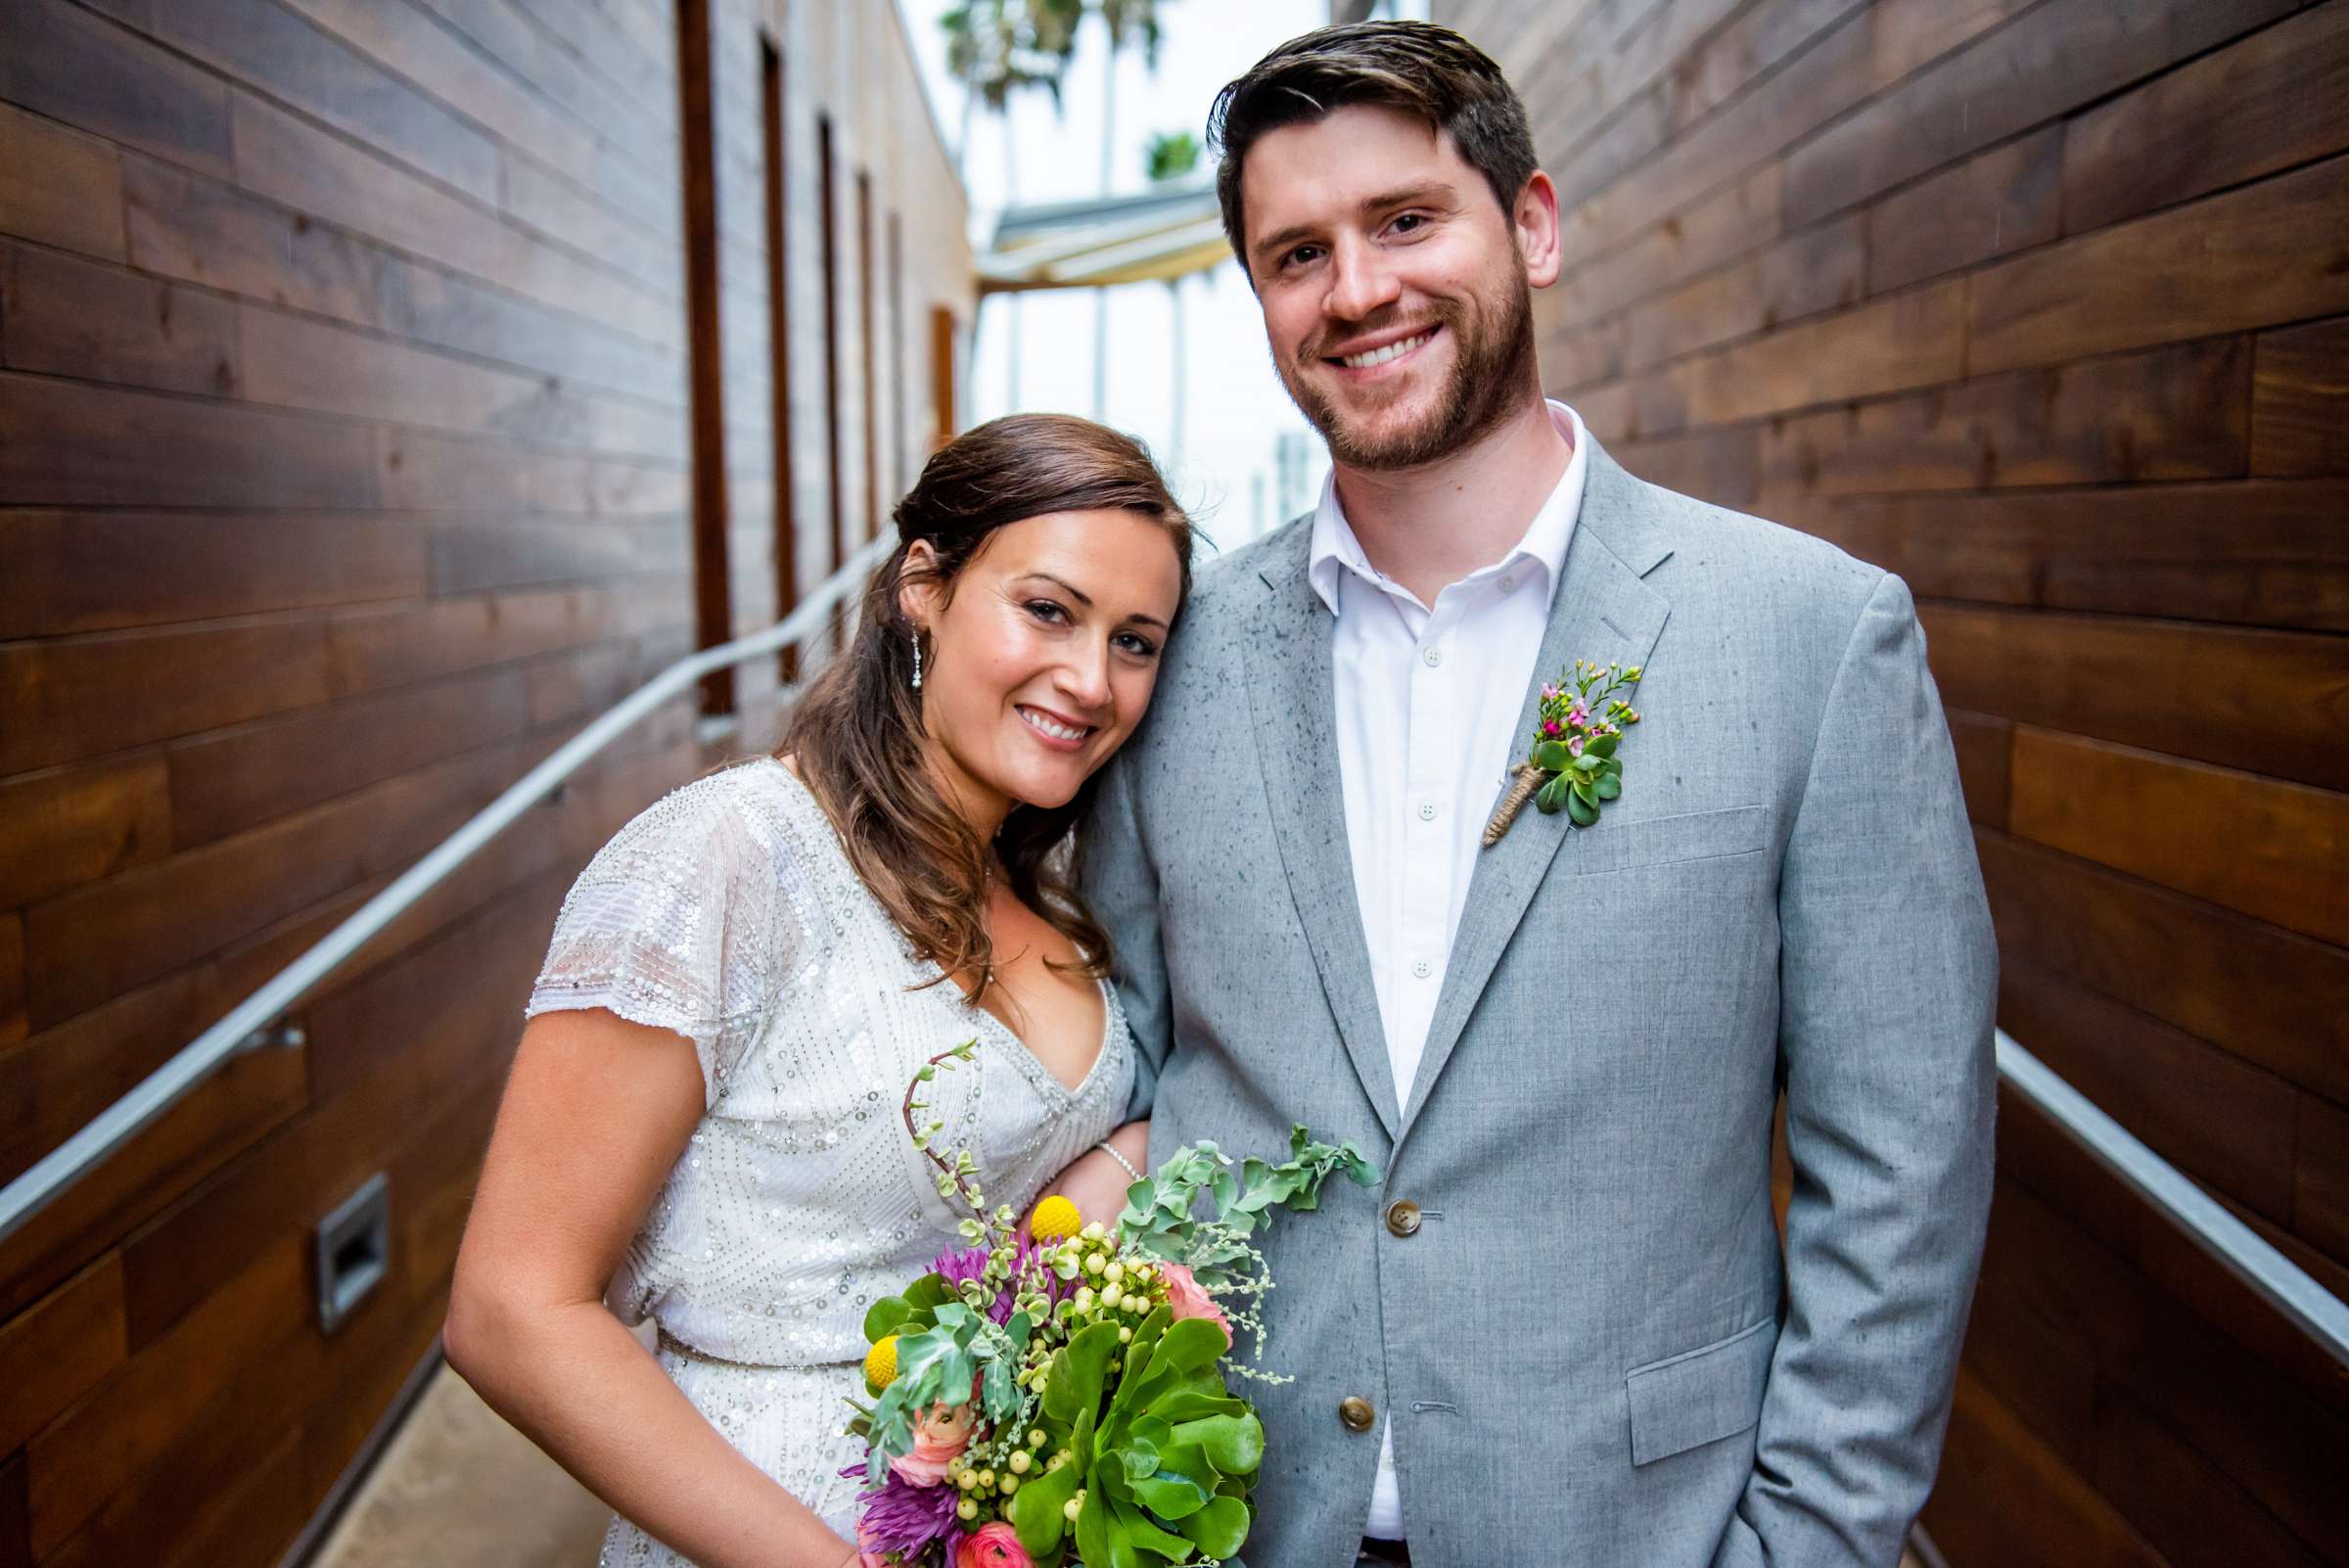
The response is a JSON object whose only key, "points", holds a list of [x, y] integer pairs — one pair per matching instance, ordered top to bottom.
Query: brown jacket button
{"points": [[1403, 1217], [1357, 1413]]}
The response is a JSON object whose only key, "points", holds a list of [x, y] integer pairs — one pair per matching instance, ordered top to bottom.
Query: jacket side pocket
{"points": [[1701, 1396]]}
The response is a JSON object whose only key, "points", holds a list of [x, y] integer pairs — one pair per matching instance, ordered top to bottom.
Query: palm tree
{"points": [[996, 48], [1169, 156]]}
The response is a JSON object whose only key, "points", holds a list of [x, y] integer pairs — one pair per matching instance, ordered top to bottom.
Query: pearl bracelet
{"points": [[1105, 1148]]}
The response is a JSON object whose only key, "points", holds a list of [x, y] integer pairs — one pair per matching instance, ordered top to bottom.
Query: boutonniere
{"points": [[1573, 767]]}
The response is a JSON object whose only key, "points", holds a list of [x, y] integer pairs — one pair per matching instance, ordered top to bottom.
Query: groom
{"points": [[1564, 1334]]}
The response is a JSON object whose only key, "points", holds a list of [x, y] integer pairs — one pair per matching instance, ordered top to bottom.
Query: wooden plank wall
{"points": [[2045, 304], [344, 472]]}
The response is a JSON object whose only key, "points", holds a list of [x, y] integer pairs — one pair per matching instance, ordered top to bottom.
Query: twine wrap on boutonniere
{"points": [[1573, 767]]}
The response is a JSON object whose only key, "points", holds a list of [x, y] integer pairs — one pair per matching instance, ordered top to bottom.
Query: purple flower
{"points": [[1549, 728], [1575, 746], [961, 1264], [899, 1517]]}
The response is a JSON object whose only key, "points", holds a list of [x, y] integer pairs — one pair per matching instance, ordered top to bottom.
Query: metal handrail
{"points": [[245, 1024], [2240, 1250]]}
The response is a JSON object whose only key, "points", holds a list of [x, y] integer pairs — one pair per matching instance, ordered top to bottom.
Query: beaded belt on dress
{"points": [[694, 1353]]}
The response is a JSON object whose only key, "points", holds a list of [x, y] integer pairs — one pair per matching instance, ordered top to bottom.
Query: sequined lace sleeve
{"points": [[682, 922]]}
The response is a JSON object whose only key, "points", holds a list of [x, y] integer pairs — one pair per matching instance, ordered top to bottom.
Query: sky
{"points": [[1230, 468]]}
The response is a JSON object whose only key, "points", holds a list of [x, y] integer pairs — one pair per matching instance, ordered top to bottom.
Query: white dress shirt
{"points": [[1427, 704]]}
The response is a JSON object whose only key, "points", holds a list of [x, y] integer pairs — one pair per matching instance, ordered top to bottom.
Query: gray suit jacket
{"points": [[1593, 1349]]}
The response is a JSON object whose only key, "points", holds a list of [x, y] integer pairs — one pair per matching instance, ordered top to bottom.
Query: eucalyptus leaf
{"points": [[1603, 747], [1553, 756], [1608, 786], [1583, 793], [1552, 797], [1583, 815]]}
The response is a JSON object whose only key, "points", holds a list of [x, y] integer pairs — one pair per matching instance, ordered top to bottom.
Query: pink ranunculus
{"points": [[1188, 1300], [939, 1438], [994, 1545]]}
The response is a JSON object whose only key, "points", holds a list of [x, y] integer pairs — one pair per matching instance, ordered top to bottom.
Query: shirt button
{"points": [[1509, 581], [1434, 656], [1427, 811], [1420, 969]]}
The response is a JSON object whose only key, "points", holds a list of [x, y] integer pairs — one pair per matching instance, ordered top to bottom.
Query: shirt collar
{"points": [[1335, 551]]}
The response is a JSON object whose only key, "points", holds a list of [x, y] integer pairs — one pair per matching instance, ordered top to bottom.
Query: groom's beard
{"points": [[1492, 363]]}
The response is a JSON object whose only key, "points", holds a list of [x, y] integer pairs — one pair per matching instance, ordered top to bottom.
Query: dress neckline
{"points": [[932, 976]]}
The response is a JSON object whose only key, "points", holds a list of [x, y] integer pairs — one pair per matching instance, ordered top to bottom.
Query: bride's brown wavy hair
{"points": [[857, 738]]}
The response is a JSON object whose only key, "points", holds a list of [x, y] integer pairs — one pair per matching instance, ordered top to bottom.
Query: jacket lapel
{"points": [[1602, 611], [1293, 702]]}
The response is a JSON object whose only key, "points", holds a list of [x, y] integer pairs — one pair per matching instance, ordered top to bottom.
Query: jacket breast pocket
{"points": [[1614, 845], [1702, 1396]]}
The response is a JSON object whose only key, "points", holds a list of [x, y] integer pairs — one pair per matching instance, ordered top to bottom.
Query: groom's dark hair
{"points": [[1417, 68]]}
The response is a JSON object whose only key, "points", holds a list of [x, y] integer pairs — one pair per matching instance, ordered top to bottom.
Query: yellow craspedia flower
{"points": [[1055, 1220], [881, 1363]]}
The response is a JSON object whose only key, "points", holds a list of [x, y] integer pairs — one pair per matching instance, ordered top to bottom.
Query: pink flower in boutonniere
{"points": [[1572, 766]]}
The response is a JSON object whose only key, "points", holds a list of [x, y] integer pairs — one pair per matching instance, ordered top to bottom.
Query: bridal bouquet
{"points": [[1060, 1399]]}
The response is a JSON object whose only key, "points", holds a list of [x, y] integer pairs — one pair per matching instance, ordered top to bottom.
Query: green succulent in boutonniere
{"points": [[1573, 767]]}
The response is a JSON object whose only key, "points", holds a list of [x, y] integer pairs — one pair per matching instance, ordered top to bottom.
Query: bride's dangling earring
{"points": [[917, 661]]}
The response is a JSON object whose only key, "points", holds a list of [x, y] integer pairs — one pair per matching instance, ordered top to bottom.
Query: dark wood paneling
{"points": [[2054, 58], [78, 68], [2278, 98], [59, 187], [2007, 199], [201, 230], [2270, 252], [1812, 272], [73, 317], [1906, 340], [2300, 400], [2171, 414], [66, 443], [2263, 554], [106, 570], [85, 696], [2278, 701], [1983, 744], [229, 780], [61, 829], [2276, 852], [87, 945], [2177, 958], [12, 1023], [2221, 1120], [2321, 1205], [59, 1349], [138, 1414], [2259, 1427], [2045, 1516], [2199, 1519]]}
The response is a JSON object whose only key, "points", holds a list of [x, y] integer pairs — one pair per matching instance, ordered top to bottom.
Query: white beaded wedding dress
{"points": [[728, 913]]}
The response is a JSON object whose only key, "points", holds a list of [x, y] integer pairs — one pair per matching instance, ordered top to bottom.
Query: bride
{"points": [[702, 1123]]}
